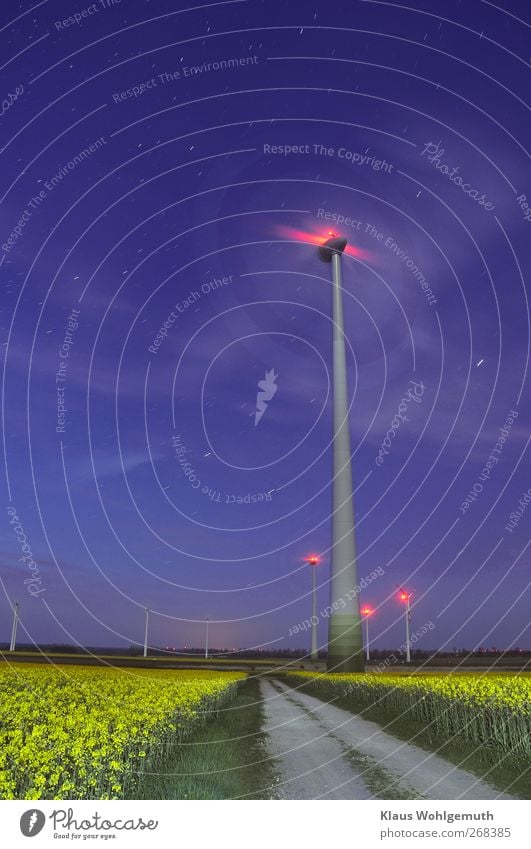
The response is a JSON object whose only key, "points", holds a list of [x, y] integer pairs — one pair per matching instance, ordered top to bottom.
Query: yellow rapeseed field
{"points": [[493, 709], [78, 732]]}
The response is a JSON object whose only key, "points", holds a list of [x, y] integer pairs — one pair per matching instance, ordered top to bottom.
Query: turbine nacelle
{"points": [[334, 245]]}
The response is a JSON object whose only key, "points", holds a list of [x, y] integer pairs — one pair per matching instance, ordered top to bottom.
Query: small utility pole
{"points": [[14, 629], [146, 632]]}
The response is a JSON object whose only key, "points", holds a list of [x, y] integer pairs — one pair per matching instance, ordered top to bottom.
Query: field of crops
{"points": [[488, 709], [76, 732]]}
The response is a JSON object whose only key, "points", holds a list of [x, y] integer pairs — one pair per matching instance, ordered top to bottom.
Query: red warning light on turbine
{"points": [[318, 237]]}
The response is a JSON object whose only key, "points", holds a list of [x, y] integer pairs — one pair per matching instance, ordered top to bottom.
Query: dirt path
{"points": [[325, 752]]}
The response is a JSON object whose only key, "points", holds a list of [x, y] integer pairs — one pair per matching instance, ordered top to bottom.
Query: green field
{"points": [[480, 721], [77, 731], [82, 732]]}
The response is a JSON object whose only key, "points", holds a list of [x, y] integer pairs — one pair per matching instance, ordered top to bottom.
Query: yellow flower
{"points": [[76, 732]]}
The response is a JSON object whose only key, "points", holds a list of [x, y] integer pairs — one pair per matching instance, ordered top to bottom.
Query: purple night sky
{"points": [[168, 171]]}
